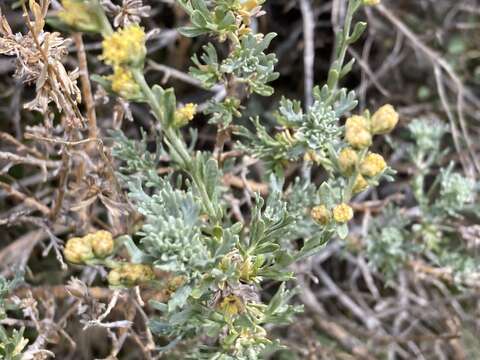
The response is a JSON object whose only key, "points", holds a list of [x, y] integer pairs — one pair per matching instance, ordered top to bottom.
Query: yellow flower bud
{"points": [[371, 2], [125, 47], [124, 84], [185, 114], [384, 120], [357, 132], [311, 156], [347, 160], [372, 165], [360, 184], [342, 213], [321, 214], [102, 243], [78, 250], [129, 275], [231, 305]]}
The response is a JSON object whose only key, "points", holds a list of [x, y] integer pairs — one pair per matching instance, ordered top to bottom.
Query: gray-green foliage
{"points": [[247, 65], [251, 65], [316, 130], [137, 158], [456, 192], [443, 196], [171, 233], [388, 244], [11, 343]]}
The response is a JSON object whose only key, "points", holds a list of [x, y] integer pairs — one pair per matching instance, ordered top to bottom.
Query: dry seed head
{"points": [[130, 12], [384, 120], [357, 132], [347, 160], [372, 165], [342, 213], [321, 214]]}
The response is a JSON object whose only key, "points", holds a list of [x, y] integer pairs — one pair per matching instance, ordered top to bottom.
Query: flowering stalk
{"points": [[344, 39], [175, 141]]}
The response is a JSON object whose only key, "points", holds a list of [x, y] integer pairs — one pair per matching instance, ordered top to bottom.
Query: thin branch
{"points": [[309, 49]]}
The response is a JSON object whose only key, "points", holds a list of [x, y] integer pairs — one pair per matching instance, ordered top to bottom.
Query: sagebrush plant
{"points": [[212, 266]]}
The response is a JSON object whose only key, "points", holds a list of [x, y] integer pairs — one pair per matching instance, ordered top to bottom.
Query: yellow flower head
{"points": [[371, 2], [249, 5], [80, 15], [125, 47], [124, 84], [185, 114], [384, 120], [357, 132], [347, 160], [372, 165], [360, 184], [342, 213], [321, 214], [102, 243], [78, 250], [131, 275], [231, 305]]}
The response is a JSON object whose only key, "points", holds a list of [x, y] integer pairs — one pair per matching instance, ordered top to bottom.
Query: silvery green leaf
{"points": [[342, 231], [179, 298]]}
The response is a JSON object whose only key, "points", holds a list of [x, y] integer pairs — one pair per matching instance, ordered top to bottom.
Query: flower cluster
{"points": [[125, 47], [123, 83], [185, 114], [361, 129], [356, 164], [341, 213], [81, 250], [129, 275]]}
